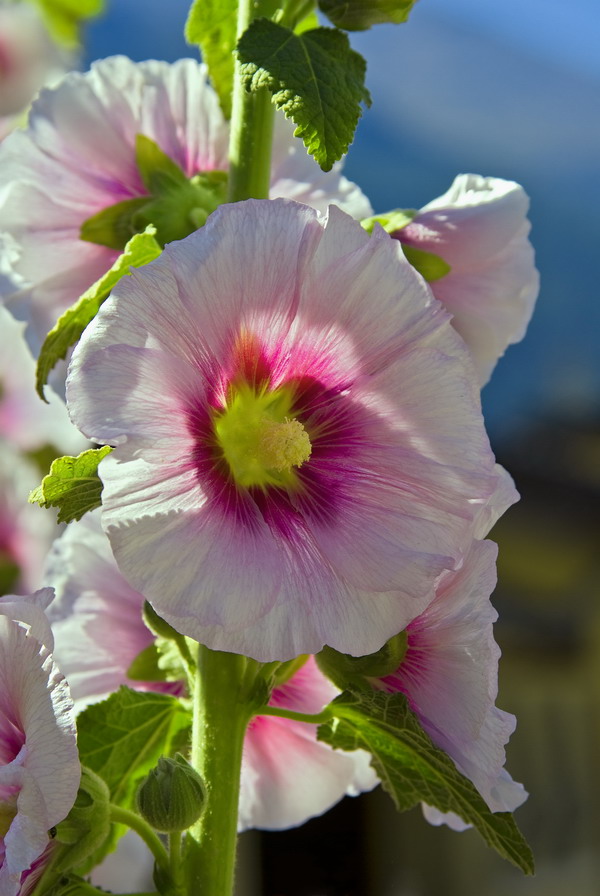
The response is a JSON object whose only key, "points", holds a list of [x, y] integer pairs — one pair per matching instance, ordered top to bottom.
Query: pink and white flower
{"points": [[77, 157], [480, 228], [26, 421], [298, 433], [26, 532], [450, 676], [39, 764], [287, 775]]}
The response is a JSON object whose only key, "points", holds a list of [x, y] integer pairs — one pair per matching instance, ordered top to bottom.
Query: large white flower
{"points": [[77, 157], [480, 228], [298, 433]]}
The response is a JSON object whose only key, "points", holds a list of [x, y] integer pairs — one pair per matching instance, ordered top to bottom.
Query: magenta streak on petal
{"points": [[332, 421], [12, 738]]}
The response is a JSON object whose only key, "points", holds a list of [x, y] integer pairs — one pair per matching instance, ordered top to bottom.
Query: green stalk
{"points": [[251, 134], [222, 711], [118, 815]]}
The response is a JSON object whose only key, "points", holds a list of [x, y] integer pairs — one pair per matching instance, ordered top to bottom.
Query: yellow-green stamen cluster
{"points": [[261, 441]]}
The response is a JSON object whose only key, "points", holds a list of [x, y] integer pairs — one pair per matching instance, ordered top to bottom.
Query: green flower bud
{"points": [[355, 671], [172, 796]]}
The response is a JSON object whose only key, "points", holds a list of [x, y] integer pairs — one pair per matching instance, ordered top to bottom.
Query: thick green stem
{"points": [[251, 134], [221, 716]]}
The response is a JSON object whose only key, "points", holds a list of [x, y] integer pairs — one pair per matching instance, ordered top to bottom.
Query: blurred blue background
{"points": [[510, 90]]}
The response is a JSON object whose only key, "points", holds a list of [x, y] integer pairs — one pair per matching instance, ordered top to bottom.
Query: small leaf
{"points": [[358, 15], [64, 17], [212, 25], [315, 77], [390, 221], [113, 226], [140, 249], [430, 266], [72, 485], [160, 661], [123, 737], [413, 770]]}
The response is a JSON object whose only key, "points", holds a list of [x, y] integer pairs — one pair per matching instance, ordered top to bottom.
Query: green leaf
{"points": [[358, 15], [64, 17], [212, 25], [315, 77], [390, 221], [113, 226], [140, 249], [430, 266], [72, 485], [160, 661], [122, 738], [413, 770]]}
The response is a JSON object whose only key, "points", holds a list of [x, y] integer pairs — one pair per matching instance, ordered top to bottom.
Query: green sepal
{"points": [[358, 15], [212, 25], [314, 77], [175, 205], [390, 221], [113, 226], [140, 249], [432, 267], [73, 485], [10, 572], [160, 661], [354, 671], [413, 770], [87, 826]]}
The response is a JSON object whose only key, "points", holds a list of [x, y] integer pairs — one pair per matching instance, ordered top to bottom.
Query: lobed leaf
{"points": [[358, 15], [64, 17], [212, 25], [315, 78], [140, 249], [72, 485], [413, 770]]}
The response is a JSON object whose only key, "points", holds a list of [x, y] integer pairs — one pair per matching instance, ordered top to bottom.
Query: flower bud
{"points": [[172, 796]]}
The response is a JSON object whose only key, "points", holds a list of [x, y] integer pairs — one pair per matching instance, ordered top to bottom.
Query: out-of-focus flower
{"points": [[28, 59], [78, 157], [480, 228], [25, 420], [298, 433], [26, 532], [450, 676], [39, 764], [287, 775]]}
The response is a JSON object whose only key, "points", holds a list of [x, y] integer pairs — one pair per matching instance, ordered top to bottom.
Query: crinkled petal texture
{"points": [[77, 157], [480, 228], [270, 294], [450, 676], [39, 764], [287, 775]]}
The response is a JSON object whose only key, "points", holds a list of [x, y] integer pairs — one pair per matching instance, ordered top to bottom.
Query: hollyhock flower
{"points": [[78, 157], [480, 228], [25, 420], [298, 433], [25, 532], [450, 676], [39, 763], [287, 775]]}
